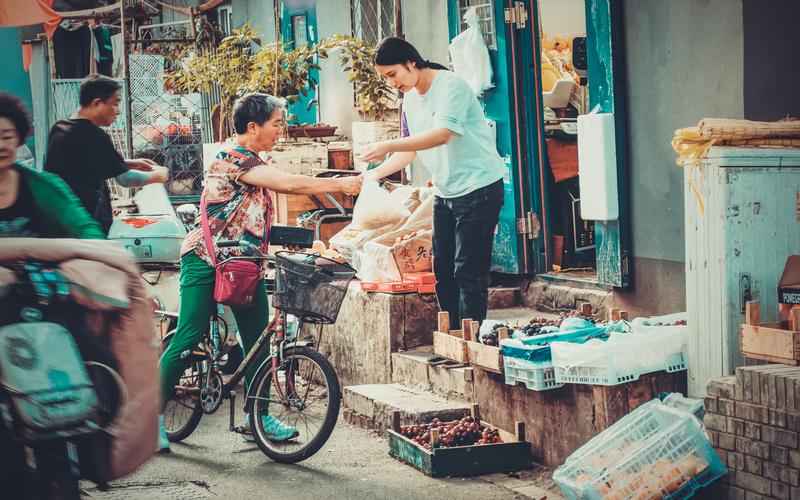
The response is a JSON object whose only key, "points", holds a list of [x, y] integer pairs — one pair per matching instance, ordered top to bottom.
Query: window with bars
{"points": [[485, 17], [373, 20]]}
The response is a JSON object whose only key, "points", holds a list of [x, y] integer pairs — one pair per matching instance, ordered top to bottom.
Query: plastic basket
{"points": [[310, 287], [620, 359], [537, 376], [691, 405], [654, 452]]}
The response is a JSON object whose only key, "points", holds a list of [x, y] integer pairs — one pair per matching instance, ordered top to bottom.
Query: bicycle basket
{"points": [[310, 287]]}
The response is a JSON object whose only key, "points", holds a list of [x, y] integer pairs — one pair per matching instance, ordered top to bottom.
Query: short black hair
{"points": [[97, 87], [11, 107], [256, 108]]}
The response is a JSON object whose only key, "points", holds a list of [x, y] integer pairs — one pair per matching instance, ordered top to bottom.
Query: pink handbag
{"points": [[235, 281]]}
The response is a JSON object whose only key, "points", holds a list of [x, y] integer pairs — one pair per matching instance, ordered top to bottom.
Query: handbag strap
{"points": [[206, 228]]}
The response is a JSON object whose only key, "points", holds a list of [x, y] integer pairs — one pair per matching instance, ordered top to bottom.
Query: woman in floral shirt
{"points": [[237, 191]]}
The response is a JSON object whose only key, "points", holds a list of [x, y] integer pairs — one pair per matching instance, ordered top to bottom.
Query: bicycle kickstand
{"points": [[231, 424]]}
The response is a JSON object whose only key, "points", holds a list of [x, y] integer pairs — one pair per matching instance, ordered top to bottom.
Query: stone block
{"points": [[723, 387], [376, 402], [725, 407], [752, 412], [777, 418], [715, 422], [735, 426], [752, 430], [777, 436], [726, 441], [752, 448], [779, 454], [794, 459], [735, 460], [752, 465], [753, 483], [781, 491]]}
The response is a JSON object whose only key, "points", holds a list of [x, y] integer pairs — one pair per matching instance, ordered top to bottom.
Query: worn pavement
{"points": [[354, 464]]}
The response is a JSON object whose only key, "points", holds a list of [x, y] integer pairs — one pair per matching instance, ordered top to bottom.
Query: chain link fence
{"points": [[373, 20], [166, 127]]}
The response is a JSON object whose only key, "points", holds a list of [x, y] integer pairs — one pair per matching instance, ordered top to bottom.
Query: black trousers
{"points": [[463, 232]]}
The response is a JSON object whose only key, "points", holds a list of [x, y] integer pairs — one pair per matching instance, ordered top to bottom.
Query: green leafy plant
{"points": [[238, 66], [375, 99]]}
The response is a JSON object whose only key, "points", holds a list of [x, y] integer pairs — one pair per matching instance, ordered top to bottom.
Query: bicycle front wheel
{"points": [[303, 394], [183, 411]]}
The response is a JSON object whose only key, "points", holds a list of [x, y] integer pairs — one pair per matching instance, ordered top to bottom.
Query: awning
{"points": [[16, 13]]}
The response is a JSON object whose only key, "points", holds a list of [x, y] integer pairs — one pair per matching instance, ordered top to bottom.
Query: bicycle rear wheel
{"points": [[304, 394], [183, 411]]}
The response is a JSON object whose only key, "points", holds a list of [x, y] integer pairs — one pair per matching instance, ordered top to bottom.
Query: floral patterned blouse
{"points": [[236, 211]]}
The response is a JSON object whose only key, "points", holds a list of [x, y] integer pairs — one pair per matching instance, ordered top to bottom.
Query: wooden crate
{"points": [[288, 207], [773, 342], [452, 344], [486, 357], [513, 454]]}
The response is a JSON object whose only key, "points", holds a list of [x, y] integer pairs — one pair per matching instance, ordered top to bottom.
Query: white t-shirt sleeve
{"points": [[452, 107]]}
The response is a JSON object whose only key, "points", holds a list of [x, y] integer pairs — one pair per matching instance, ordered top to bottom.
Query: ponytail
{"points": [[393, 50]]}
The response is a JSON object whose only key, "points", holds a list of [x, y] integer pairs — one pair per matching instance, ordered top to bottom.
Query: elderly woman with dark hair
{"points": [[237, 191], [34, 204]]}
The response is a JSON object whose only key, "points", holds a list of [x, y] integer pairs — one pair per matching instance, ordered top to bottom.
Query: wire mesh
{"points": [[373, 20], [166, 127]]}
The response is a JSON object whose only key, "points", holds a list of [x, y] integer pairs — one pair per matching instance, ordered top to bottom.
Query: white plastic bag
{"points": [[470, 55], [376, 208], [376, 264]]}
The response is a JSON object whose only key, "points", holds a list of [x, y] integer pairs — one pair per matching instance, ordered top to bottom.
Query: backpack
{"points": [[57, 381]]}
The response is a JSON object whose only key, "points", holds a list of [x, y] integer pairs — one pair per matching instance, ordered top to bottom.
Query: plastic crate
{"points": [[613, 361], [537, 376], [691, 405], [654, 452]]}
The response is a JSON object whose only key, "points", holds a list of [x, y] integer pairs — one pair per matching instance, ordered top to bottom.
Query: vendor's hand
{"points": [[374, 152], [142, 164], [160, 174], [351, 185]]}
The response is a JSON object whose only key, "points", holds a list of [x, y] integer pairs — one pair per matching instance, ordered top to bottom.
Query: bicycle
{"points": [[294, 377]]}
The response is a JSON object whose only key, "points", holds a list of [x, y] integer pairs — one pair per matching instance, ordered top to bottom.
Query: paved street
{"points": [[354, 464]]}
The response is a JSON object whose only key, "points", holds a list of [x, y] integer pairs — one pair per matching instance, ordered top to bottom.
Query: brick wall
{"points": [[753, 419]]}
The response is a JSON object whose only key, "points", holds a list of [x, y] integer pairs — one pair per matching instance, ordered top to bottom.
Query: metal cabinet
{"points": [[742, 220]]}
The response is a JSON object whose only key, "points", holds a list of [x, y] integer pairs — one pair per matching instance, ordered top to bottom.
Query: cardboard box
{"points": [[413, 255], [789, 285]]}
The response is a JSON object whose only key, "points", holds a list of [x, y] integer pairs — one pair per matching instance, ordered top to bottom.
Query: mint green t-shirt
{"points": [[470, 160]]}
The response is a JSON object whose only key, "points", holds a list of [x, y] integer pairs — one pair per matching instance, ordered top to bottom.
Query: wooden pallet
{"points": [[773, 342], [452, 344], [513, 454]]}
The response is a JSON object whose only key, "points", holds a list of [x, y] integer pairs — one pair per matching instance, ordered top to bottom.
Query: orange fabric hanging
{"points": [[16, 13], [27, 56]]}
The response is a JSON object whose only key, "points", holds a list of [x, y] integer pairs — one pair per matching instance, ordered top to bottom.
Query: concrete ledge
{"points": [[552, 297], [415, 369], [371, 406]]}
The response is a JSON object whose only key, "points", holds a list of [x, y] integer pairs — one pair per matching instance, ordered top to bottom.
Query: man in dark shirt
{"points": [[82, 153]]}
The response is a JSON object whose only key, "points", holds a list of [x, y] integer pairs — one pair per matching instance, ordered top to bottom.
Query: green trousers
{"points": [[197, 306]]}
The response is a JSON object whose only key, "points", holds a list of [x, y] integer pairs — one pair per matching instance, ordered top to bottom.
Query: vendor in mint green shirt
{"points": [[447, 130]]}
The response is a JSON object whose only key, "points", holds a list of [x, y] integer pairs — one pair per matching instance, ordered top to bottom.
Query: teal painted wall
{"points": [[13, 78]]}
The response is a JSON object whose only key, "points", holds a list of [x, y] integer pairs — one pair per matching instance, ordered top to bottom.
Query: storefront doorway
{"points": [[554, 60]]}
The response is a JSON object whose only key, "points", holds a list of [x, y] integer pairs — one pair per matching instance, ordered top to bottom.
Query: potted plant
{"points": [[238, 66], [375, 100]]}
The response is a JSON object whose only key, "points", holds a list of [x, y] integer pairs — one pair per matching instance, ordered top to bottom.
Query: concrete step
{"points": [[555, 296], [503, 297], [424, 370], [371, 406]]}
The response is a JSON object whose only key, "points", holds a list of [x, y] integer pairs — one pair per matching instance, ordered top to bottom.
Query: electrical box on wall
{"points": [[597, 167]]}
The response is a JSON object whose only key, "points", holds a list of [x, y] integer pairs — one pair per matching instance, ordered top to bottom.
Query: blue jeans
{"points": [[463, 233]]}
